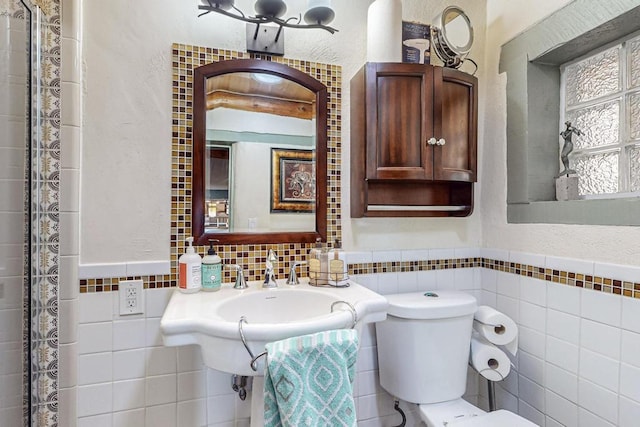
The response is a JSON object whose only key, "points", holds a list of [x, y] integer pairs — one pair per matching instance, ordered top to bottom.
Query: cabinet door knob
{"points": [[432, 141], [441, 141]]}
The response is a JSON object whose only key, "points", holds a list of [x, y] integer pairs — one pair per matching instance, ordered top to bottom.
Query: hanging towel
{"points": [[308, 380]]}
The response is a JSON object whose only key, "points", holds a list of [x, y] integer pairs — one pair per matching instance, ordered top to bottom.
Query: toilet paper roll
{"points": [[384, 31], [496, 327], [491, 362]]}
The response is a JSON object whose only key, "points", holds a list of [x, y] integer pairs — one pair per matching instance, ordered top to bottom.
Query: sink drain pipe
{"points": [[239, 385]]}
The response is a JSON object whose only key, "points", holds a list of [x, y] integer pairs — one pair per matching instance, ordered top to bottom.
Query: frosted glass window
{"points": [[634, 63], [593, 77], [601, 95], [634, 116], [600, 125], [634, 157], [598, 173]]}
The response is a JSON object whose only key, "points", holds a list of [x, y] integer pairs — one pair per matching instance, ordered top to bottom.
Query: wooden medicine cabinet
{"points": [[413, 141]]}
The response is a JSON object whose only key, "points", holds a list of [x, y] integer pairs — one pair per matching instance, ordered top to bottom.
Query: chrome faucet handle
{"points": [[269, 275], [293, 276], [241, 283]]}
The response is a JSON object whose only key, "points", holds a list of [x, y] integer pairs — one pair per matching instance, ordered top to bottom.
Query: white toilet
{"points": [[423, 352]]}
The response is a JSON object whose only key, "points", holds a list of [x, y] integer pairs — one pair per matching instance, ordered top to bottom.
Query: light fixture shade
{"points": [[220, 4], [273, 8], [322, 15]]}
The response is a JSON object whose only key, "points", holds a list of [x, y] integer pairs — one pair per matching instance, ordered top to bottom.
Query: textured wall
{"points": [[127, 120], [621, 245]]}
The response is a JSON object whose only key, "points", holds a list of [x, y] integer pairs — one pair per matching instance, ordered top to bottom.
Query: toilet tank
{"points": [[423, 346]]}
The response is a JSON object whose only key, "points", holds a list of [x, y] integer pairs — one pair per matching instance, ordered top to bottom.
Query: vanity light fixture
{"points": [[269, 39]]}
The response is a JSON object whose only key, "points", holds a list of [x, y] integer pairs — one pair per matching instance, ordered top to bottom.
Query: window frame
{"points": [[532, 61]]}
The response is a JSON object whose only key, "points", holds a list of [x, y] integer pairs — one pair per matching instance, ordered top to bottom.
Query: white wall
{"points": [[506, 19], [127, 120], [251, 194]]}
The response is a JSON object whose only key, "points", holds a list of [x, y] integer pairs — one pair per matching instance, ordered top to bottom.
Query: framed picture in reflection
{"points": [[293, 180]]}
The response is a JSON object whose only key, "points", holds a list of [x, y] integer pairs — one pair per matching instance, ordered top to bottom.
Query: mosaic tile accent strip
{"points": [[257, 255], [408, 266], [603, 284], [41, 307], [40, 319]]}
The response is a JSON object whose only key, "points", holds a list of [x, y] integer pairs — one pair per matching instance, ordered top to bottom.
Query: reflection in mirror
{"points": [[457, 30], [452, 35], [254, 114], [258, 126], [216, 212]]}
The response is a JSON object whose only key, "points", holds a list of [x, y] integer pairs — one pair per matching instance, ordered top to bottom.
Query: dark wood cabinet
{"points": [[413, 141]]}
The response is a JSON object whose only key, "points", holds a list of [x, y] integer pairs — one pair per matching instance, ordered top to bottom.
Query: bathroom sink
{"points": [[282, 306], [212, 319]]}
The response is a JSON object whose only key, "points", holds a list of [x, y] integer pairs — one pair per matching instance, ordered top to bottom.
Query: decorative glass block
{"points": [[633, 54], [593, 77], [634, 116], [600, 125], [634, 166], [598, 173]]}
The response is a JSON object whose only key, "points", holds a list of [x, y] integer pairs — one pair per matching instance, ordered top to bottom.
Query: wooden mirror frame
{"points": [[200, 76]]}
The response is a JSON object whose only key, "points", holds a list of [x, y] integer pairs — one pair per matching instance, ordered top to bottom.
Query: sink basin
{"points": [[282, 306], [211, 319]]}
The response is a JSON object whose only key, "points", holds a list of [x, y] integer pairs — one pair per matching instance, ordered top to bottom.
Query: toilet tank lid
{"points": [[435, 304]]}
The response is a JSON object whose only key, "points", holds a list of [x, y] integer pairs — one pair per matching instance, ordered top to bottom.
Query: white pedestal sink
{"points": [[211, 320]]}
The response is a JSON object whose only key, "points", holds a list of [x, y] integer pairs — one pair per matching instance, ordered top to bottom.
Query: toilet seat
{"points": [[460, 413], [500, 418]]}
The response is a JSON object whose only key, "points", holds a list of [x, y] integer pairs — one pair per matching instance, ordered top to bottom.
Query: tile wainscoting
{"points": [[577, 364]]}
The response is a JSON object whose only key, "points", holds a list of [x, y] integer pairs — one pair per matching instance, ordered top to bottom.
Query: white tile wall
{"points": [[12, 156], [578, 347], [578, 363], [127, 378]]}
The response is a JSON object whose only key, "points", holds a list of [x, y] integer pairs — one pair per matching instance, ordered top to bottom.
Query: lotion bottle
{"points": [[314, 263], [211, 269], [189, 270], [338, 273]]}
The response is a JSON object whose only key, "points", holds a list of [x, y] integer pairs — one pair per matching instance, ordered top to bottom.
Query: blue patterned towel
{"points": [[308, 380]]}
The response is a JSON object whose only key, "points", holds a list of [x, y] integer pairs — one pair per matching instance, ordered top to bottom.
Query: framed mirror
{"points": [[452, 36], [259, 154]]}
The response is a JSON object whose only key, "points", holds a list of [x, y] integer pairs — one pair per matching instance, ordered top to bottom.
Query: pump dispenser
{"points": [[318, 268], [211, 269], [189, 270], [338, 273]]}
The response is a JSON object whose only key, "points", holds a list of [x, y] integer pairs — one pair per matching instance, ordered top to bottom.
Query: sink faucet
{"points": [[269, 275], [293, 276], [241, 283]]}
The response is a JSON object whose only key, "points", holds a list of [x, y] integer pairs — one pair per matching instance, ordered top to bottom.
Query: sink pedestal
{"points": [[257, 402]]}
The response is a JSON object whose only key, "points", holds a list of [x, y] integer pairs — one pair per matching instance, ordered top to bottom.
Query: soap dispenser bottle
{"points": [[314, 263], [318, 265], [211, 269], [189, 270], [338, 273]]}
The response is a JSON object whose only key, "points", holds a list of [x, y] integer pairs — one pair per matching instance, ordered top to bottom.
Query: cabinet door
{"points": [[399, 121], [455, 125]]}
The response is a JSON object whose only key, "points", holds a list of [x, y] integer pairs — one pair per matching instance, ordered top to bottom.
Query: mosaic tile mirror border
{"points": [[185, 59], [251, 257]]}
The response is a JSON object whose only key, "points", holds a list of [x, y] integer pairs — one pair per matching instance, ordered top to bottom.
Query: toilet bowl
{"points": [[423, 353]]}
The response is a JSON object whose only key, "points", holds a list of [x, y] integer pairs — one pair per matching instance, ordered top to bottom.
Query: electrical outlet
{"points": [[131, 297]]}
